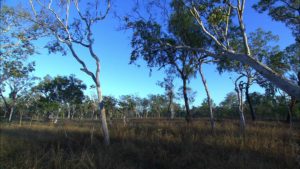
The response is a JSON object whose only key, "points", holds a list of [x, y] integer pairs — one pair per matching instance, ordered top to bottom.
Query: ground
{"points": [[150, 144]]}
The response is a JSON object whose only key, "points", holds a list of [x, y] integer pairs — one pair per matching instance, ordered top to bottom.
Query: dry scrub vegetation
{"points": [[150, 144]]}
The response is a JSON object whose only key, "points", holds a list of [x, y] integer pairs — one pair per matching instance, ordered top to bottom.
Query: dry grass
{"points": [[150, 144]]}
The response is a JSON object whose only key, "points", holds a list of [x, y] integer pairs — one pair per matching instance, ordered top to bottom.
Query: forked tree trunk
{"points": [[212, 121]]}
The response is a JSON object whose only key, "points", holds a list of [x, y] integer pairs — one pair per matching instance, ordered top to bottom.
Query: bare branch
{"points": [[106, 12], [196, 15], [84, 67]]}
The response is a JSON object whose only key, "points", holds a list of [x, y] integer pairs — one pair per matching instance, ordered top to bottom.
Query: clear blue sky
{"points": [[120, 78]]}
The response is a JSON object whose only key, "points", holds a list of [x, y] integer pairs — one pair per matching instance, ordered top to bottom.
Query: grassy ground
{"points": [[150, 144]]}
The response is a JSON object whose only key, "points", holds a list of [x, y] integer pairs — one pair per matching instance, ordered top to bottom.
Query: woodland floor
{"points": [[149, 144]]}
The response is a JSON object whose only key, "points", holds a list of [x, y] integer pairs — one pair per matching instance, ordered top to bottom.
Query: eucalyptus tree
{"points": [[287, 12], [214, 18], [71, 25], [154, 44], [15, 48], [261, 50], [19, 80], [168, 85], [63, 90], [127, 105], [158, 105], [111, 106]]}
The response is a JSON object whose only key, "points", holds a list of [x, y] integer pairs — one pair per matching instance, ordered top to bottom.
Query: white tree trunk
{"points": [[241, 108], [69, 110], [172, 111], [11, 113], [103, 117], [21, 118], [124, 121], [212, 121]]}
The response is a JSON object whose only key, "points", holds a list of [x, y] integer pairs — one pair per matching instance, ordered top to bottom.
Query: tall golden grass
{"points": [[150, 144]]}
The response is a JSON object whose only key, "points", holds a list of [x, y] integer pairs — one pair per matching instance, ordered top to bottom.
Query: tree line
{"points": [[188, 35], [63, 98]]}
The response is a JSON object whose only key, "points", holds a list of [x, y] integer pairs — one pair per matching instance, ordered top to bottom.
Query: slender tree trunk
{"points": [[239, 90], [248, 98], [186, 102], [292, 104], [6, 105], [291, 107], [171, 109], [69, 111], [73, 111], [5, 113], [11, 113], [93, 113], [158, 113], [103, 116], [21, 118], [124, 120], [31, 121], [212, 121]]}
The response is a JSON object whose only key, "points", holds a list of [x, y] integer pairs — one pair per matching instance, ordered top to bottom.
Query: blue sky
{"points": [[120, 78]]}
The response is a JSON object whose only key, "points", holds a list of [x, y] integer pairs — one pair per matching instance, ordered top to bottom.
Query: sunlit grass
{"points": [[150, 144]]}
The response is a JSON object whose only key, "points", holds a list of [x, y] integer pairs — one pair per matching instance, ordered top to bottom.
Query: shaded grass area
{"points": [[150, 144]]}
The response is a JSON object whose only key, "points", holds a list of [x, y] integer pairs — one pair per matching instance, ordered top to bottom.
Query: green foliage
{"points": [[284, 11], [217, 16], [62, 89]]}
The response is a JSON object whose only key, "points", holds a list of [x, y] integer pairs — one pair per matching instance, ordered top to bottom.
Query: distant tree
{"points": [[19, 80], [168, 85], [63, 90], [230, 103], [128, 105], [158, 105], [111, 106], [143, 106]]}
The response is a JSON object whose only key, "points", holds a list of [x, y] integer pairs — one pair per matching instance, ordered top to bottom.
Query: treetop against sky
{"points": [[119, 78]]}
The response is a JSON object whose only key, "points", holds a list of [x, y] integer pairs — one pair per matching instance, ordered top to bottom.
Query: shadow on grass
{"points": [[131, 148]]}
